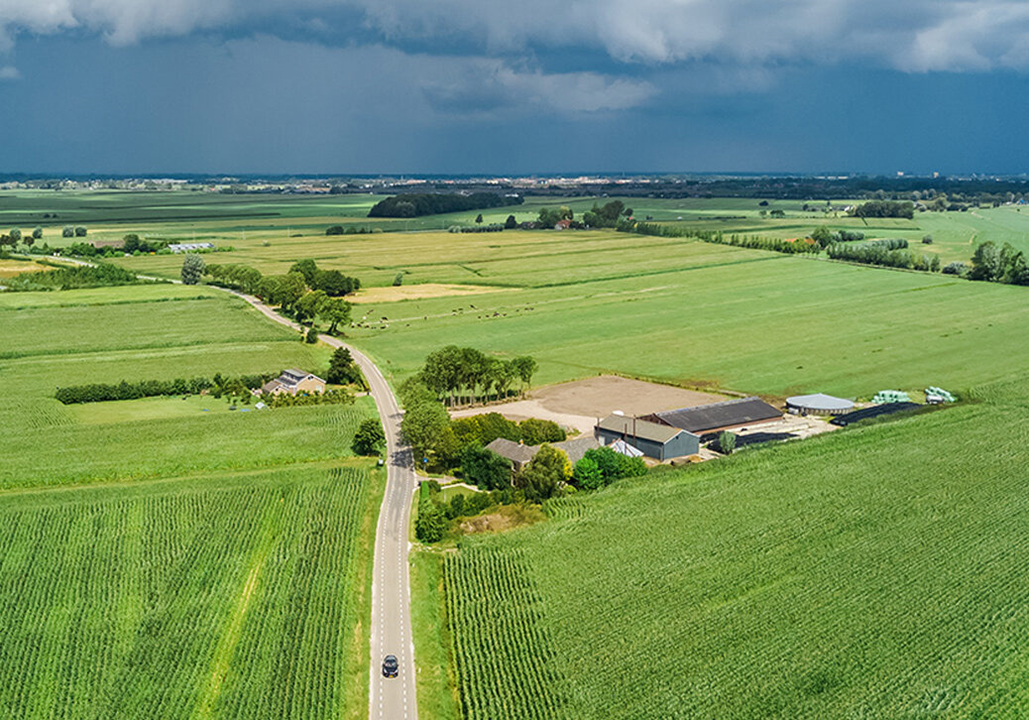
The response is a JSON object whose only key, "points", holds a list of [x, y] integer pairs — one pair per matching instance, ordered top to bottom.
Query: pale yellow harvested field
{"points": [[10, 268], [418, 292]]}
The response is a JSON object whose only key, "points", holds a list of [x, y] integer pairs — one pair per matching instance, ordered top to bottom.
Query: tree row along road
{"points": [[389, 698]]}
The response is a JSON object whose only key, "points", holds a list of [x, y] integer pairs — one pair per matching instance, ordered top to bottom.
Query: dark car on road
{"points": [[390, 666]]}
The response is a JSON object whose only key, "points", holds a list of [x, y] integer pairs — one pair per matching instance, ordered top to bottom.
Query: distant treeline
{"points": [[417, 205], [884, 209], [351, 230], [755, 242], [885, 253], [72, 278], [218, 385]]}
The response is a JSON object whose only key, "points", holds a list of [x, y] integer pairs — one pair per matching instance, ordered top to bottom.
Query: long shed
{"points": [[713, 418], [661, 442]]}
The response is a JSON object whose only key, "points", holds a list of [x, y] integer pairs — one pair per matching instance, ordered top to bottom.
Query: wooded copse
{"points": [[419, 204], [884, 209], [1006, 264], [72, 278], [451, 374], [457, 374]]}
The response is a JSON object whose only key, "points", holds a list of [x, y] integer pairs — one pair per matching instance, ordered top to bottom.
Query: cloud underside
{"points": [[913, 35]]}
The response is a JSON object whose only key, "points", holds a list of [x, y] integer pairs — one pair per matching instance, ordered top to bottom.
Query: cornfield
{"points": [[230, 598], [502, 653]]}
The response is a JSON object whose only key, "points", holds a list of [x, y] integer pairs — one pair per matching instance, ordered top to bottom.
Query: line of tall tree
{"points": [[419, 204], [754, 242], [887, 253], [305, 292], [456, 374], [217, 386]]}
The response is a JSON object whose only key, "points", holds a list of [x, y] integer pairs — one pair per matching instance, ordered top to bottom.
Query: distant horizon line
{"points": [[571, 174]]}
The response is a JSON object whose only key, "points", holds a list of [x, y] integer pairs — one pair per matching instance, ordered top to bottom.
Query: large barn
{"points": [[716, 417], [655, 440]]}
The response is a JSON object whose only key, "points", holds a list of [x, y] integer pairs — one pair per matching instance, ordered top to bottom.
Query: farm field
{"points": [[271, 231], [710, 316], [768, 324], [109, 335], [169, 556], [875, 572], [224, 595]]}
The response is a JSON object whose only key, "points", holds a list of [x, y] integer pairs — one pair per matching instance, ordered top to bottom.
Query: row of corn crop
{"points": [[504, 662]]}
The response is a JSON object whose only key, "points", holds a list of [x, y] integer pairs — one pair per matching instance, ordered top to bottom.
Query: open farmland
{"points": [[584, 302], [749, 321], [139, 333], [168, 557], [872, 573], [220, 596]]}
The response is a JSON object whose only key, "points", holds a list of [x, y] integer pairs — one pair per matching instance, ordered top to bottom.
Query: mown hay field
{"points": [[770, 324], [877, 572]]}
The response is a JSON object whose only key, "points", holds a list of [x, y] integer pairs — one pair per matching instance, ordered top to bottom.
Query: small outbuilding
{"points": [[818, 404], [660, 442]]}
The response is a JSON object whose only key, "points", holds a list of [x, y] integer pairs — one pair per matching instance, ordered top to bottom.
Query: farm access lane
{"points": [[390, 698]]}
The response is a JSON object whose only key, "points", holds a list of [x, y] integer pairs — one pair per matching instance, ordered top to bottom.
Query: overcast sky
{"points": [[495, 86]]}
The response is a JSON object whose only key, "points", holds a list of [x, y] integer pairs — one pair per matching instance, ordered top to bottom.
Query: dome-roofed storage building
{"points": [[818, 404]]}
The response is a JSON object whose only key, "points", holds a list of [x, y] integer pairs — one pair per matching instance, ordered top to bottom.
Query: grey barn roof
{"points": [[717, 415], [634, 427], [578, 447], [516, 452]]}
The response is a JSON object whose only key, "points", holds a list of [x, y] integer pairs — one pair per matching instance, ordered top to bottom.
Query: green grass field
{"points": [[871, 573]]}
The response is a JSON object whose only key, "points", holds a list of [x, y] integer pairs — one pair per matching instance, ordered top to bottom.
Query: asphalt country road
{"points": [[389, 698]]}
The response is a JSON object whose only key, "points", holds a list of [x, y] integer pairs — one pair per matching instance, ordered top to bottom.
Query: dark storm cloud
{"points": [[484, 85]]}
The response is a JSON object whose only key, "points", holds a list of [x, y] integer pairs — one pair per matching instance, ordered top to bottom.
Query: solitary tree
{"points": [[478, 219], [510, 223], [68, 231], [80, 231], [37, 233], [15, 234], [192, 269], [336, 312], [342, 368], [369, 439], [726, 442], [544, 474]]}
